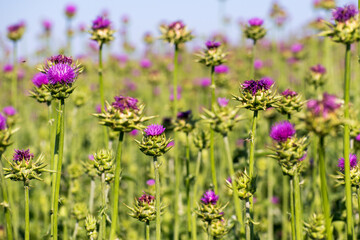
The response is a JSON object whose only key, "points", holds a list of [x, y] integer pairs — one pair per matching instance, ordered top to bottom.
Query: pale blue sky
{"points": [[202, 16]]}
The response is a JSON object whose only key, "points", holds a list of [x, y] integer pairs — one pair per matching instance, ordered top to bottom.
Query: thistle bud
{"points": [[101, 30], [254, 30], [16, 31], [175, 33], [213, 55], [316, 76], [40, 92], [289, 102], [184, 122], [5, 134], [202, 140], [154, 142], [354, 171], [245, 185], [144, 208], [209, 209], [79, 211], [90, 226], [219, 228], [315, 228]]}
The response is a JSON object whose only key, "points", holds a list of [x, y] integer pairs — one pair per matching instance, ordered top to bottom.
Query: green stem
{"points": [[68, 36], [252, 68], [14, 95], [102, 98], [52, 136], [212, 139], [58, 156], [177, 160], [232, 175], [187, 183], [196, 183], [270, 185], [116, 188], [324, 190], [92, 195], [358, 198], [157, 199], [103, 202], [6, 204], [285, 207], [298, 207], [292, 209], [27, 214], [349, 219], [75, 230], [147, 230], [209, 231], [248, 231]]}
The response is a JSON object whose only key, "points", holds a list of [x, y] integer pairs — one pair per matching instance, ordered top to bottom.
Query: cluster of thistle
{"points": [[325, 4], [278, 14], [346, 27], [101, 30], [254, 30], [16, 31], [175, 33], [148, 38], [213, 55], [61, 73], [222, 76], [316, 76], [40, 92], [257, 94], [289, 103], [123, 115], [322, 116], [223, 118], [185, 122], [6, 131], [201, 140], [154, 142], [288, 150], [101, 162], [24, 168], [354, 171], [245, 185], [144, 208], [212, 214], [90, 226], [315, 228]]}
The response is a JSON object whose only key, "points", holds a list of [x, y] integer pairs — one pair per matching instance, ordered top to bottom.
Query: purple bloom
{"points": [[70, 10], [343, 14], [255, 21], [100, 23], [47, 24], [177, 25], [16, 27], [82, 27], [212, 44], [297, 47], [60, 59], [145, 63], [258, 64], [8, 68], [221, 69], [318, 69], [61, 73], [40, 79], [205, 82], [254, 86], [179, 90], [289, 93], [223, 102], [121, 103], [328, 104], [9, 111], [184, 115], [2, 122], [154, 130], [282, 131], [134, 132], [357, 138], [171, 144], [21, 155], [303, 157], [353, 162], [229, 179], [150, 182], [210, 197], [146, 198], [275, 200]]}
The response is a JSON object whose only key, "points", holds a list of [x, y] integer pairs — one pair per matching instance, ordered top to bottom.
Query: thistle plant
{"points": [[70, 12], [346, 30], [15, 33], [102, 33], [176, 34], [211, 57], [61, 73], [316, 77], [40, 92], [289, 103], [123, 115], [154, 143], [290, 152], [24, 169], [79, 212], [90, 226], [315, 228]]}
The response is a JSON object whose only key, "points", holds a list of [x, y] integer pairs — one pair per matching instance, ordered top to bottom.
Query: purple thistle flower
{"points": [[70, 10], [343, 14], [255, 22], [100, 23], [47, 24], [177, 25], [16, 27], [212, 44], [297, 47], [60, 59], [145, 63], [258, 64], [8, 68], [221, 69], [318, 69], [61, 73], [40, 79], [205, 82], [254, 86], [289, 93], [223, 102], [121, 103], [328, 104], [9, 111], [184, 115], [2, 122], [154, 130], [282, 131], [134, 132], [357, 138], [171, 144], [21, 155], [91, 157], [353, 162], [229, 179], [150, 182], [210, 197], [146, 198], [275, 200]]}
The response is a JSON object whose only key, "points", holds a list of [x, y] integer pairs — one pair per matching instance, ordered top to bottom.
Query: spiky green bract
{"points": [[254, 32], [175, 33], [102, 35], [212, 57], [41, 94], [288, 105], [123, 121], [185, 124], [5, 136], [201, 139], [154, 146], [290, 153], [104, 163], [354, 177], [246, 185], [79, 211], [210, 212], [90, 226], [219, 228], [315, 228]]}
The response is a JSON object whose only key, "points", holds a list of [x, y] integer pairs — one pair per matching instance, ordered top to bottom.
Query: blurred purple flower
{"points": [[70, 10], [343, 14], [256, 21], [100, 23], [47, 24], [177, 25], [16, 27], [212, 44], [297, 47], [145, 63], [258, 64], [8, 68], [220, 69], [318, 69], [40, 79], [205, 82], [254, 86], [179, 90], [289, 93], [223, 102], [121, 103], [328, 104], [9, 111], [184, 115], [2, 122], [154, 130], [282, 131], [134, 132], [357, 138], [171, 144], [21, 155], [91, 157], [353, 162], [150, 182], [210, 197], [146, 198], [275, 200]]}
